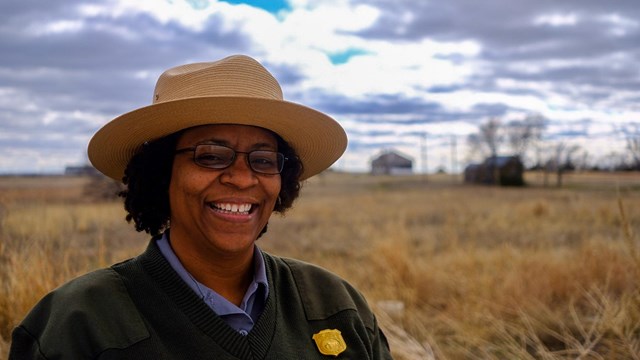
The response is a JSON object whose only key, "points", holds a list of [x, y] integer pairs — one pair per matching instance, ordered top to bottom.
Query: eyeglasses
{"points": [[221, 157]]}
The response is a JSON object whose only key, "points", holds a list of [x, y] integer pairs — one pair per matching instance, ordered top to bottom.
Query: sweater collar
{"points": [[243, 347]]}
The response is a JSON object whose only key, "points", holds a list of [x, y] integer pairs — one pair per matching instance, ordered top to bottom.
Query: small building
{"points": [[390, 162], [81, 170], [496, 170]]}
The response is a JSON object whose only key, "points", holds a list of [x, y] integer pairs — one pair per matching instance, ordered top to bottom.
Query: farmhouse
{"points": [[391, 163], [498, 170]]}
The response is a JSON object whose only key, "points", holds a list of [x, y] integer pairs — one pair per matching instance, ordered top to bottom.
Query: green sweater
{"points": [[141, 309]]}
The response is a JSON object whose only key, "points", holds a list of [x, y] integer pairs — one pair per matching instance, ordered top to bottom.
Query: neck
{"points": [[229, 276]]}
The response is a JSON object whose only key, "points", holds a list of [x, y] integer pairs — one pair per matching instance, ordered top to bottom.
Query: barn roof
{"points": [[392, 157], [501, 161]]}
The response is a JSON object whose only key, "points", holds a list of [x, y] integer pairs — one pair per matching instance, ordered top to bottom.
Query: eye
{"points": [[213, 156], [208, 157], [264, 160]]}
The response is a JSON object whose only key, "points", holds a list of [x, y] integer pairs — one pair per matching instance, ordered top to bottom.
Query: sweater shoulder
{"points": [[324, 293], [87, 315]]}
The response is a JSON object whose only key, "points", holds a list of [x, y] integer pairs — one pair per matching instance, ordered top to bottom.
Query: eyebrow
{"points": [[256, 146]]}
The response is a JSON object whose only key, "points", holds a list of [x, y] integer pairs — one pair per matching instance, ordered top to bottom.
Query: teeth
{"points": [[233, 208]]}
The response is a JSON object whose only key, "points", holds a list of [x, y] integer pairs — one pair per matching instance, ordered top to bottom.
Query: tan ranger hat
{"points": [[234, 90]]}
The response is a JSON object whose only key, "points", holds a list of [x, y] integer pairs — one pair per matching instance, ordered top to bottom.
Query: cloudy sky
{"points": [[417, 76]]}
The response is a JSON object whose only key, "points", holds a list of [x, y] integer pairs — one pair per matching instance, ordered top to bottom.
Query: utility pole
{"points": [[423, 153], [454, 155]]}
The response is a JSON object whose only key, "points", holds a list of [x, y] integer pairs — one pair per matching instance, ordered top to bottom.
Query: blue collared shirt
{"points": [[240, 318]]}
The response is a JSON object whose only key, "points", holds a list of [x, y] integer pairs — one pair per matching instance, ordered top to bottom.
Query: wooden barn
{"points": [[391, 163], [496, 170]]}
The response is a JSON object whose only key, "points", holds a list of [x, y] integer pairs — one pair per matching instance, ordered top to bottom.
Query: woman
{"points": [[205, 166]]}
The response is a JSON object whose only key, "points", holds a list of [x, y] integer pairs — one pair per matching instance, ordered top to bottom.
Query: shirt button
{"points": [[243, 332]]}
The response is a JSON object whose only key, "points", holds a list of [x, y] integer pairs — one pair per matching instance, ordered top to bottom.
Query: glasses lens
{"points": [[213, 156], [266, 162]]}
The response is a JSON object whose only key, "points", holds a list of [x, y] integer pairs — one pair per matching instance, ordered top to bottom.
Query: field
{"points": [[453, 271]]}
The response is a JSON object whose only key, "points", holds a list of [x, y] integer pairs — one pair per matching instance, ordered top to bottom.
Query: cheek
{"points": [[174, 184], [276, 186], [182, 187], [175, 196]]}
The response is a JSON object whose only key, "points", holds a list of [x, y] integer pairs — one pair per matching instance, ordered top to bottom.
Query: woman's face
{"points": [[220, 211]]}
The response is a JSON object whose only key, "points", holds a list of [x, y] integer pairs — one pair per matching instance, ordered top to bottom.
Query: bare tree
{"points": [[632, 133], [522, 134], [491, 135], [519, 135], [488, 139], [562, 159], [581, 160]]}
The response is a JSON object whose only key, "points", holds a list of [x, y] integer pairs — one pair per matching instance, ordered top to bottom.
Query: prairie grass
{"points": [[476, 272]]}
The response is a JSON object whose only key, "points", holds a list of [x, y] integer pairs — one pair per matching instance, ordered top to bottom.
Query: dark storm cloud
{"points": [[496, 24], [132, 41], [595, 45], [97, 64], [287, 75], [70, 81], [58, 87], [378, 104], [43, 143]]}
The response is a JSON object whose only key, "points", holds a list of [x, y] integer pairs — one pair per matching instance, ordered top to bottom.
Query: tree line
{"points": [[526, 138]]}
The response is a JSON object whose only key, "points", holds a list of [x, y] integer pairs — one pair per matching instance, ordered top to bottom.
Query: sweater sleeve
{"points": [[324, 295], [80, 320], [380, 345], [24, 346]]}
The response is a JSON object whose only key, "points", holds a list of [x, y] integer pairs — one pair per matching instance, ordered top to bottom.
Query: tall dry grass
{"points": [[470, 272]]}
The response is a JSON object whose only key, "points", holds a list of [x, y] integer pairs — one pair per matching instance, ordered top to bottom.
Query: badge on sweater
{"points": [[330, 342]]}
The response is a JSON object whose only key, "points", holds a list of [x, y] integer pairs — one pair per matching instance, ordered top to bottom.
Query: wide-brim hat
{"points": [[234, 90]]}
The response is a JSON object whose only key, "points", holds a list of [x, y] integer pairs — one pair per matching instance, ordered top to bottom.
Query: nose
{"points": [[239, 174]]}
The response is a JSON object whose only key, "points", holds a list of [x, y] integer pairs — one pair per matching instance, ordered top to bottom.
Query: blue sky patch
{"points": [[198, 4], [272, 6], [343, 57]]}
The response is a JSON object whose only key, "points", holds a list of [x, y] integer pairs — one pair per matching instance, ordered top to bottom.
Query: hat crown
{"points": [[236, 75], [234, 90]]}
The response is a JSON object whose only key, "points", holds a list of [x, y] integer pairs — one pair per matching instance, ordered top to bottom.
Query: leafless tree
{"points": [[522, 134], [632, 134], [491, 135], [519, 135], [488, 139], [562, 159], [582, 160]]}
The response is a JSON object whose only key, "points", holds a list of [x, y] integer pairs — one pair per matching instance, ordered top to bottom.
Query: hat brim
{"points": [[317, 138]]}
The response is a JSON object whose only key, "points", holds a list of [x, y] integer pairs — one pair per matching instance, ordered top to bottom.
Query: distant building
{"points": [[391, 163], [81, 170], [498, 170]]}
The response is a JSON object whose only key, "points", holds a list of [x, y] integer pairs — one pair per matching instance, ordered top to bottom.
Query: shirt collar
{"points": [[259, 276]]}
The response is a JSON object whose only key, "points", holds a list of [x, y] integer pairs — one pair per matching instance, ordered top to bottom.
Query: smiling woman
{"points": [[205, 166]]}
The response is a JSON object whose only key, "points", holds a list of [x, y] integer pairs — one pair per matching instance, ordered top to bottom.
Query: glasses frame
{"points": [[280, 158]]}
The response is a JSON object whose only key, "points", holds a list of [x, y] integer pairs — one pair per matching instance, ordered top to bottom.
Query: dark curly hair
{"points": [[148, 174]]}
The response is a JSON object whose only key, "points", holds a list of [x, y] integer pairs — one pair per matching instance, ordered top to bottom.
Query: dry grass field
{"points": [[454, 271]]}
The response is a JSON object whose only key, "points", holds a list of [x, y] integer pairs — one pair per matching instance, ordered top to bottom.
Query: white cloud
{"points": [[163, 10], [557, 20], [620, 20], [56, 27], [389, 68], [577, 68], [16, 98]]}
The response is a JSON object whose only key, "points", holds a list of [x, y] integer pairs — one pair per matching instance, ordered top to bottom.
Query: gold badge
{"points": [[330, 342]]}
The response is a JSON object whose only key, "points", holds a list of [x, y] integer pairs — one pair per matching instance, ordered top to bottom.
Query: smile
{"points": [[240, 209]]}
